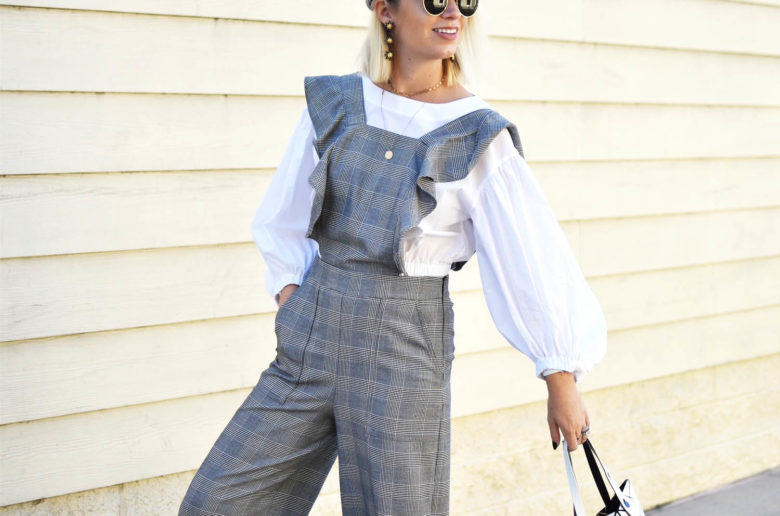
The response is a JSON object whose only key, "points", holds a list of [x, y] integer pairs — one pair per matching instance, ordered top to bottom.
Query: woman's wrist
{"points": [[560, 379]]}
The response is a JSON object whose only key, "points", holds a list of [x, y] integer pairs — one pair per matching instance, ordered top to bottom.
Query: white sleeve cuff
{"points": [[275, 285], [549, 365]]}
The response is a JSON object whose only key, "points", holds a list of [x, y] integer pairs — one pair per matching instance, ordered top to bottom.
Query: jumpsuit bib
{"points": [[364, 351]]}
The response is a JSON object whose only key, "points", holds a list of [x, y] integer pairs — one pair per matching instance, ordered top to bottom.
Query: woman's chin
{"points": [[438, 56]]}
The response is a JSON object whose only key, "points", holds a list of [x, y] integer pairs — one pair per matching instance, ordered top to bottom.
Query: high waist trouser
{"points": [[362, 372]]}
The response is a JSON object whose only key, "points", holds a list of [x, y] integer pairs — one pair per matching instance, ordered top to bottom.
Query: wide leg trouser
{"points": [[362, 372]]}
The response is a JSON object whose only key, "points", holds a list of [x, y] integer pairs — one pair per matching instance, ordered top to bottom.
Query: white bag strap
{"points": [[579, 509]]}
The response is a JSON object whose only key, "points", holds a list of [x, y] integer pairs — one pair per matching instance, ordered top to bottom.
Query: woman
{"points": [[408, 176]]}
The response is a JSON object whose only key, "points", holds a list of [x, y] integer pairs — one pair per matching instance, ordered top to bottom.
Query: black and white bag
{"points": [[625, 501]]}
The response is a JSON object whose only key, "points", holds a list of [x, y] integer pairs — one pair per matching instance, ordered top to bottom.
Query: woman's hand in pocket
{"points": [[285, 293]]}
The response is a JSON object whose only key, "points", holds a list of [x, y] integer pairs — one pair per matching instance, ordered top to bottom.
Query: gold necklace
{"points": [[441, 81], [389, 152]]}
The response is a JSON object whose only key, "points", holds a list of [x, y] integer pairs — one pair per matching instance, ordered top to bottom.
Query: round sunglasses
{"points": [[436, 7]]}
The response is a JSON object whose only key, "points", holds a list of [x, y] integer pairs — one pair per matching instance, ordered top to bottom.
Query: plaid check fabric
{"points": [[372, 201], [364, 352], [362, 372]]}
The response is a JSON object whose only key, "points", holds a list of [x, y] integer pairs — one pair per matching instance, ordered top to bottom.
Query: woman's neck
{"points": [[410, 77]]}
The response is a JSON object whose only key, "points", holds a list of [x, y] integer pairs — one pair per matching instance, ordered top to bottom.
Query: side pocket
{"points": [[281, 313], [432, 318], [293, 326], [448, 333], [308, 335]]}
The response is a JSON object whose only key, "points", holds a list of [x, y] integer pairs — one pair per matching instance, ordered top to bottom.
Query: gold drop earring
{"points": [[389, 41]]}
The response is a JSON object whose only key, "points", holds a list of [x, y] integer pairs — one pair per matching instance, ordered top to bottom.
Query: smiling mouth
{"points": [[446, 31]]}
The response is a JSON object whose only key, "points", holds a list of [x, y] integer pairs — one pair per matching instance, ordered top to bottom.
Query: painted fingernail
{"points": [[555, 445]]}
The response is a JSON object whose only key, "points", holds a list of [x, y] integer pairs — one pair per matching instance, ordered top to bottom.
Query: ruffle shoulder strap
{"points": [[333, 103], [327, 108], [450, 154]]}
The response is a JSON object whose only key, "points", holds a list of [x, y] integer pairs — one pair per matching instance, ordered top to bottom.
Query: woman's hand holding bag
{"points": [[566, 412]]}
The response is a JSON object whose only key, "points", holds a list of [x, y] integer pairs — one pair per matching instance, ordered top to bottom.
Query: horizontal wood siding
{"points": [[137, 139], [116, 212]]}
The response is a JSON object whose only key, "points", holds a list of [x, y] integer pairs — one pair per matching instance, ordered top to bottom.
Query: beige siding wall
{"points": [[137, 140]]}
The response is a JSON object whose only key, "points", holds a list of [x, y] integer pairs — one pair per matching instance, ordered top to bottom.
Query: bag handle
{"points": [[590, 452], [594, 470], [614, 485], [579, 509]]}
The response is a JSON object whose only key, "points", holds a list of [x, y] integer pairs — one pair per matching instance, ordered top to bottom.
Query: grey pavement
{"points": [[758, 495]]}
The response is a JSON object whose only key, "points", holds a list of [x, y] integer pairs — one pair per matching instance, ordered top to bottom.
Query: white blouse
{"points": [[535, 290]]}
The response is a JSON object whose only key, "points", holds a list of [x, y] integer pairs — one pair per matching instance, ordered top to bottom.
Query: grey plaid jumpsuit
{"points": [[364, 351]]}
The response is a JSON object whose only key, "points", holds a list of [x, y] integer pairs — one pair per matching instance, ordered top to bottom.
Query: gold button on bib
{"points": [[388, 154]]}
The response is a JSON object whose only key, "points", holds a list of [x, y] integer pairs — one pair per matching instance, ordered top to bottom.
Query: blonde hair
{"points": [[372, 55]]}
